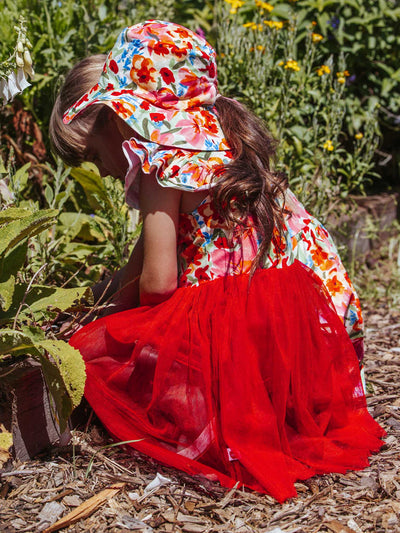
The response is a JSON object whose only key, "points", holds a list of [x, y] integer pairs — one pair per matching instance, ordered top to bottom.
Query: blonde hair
{"points": [[69, 140]]}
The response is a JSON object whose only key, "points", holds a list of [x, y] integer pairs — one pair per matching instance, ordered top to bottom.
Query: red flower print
{"points": [[182, 32], [162, 49], [180, 52], [113, 66], [212, 71], [145, 74], [167, 75], [190, 79], [109, 87], [145, 105], [121, 109], [157, 117], [210, 123], [175, 169], [186, 228], [221, 242], [321, 258], [201, 273], [334, 286]]}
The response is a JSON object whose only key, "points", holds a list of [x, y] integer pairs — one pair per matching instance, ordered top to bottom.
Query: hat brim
{"points": [[194, 129]]}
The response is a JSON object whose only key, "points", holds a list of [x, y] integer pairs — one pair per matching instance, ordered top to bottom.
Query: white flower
{"points": [[21, 79], [14, 84], [4, 92]]}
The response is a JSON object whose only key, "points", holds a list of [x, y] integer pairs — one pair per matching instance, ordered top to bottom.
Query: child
{"points": [[232, 358]]}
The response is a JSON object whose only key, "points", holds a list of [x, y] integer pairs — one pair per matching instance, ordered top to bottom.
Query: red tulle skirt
{"points": [[238, 380]]}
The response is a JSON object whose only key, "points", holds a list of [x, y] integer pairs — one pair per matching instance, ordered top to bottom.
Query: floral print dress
{"points": [[207, 248]]}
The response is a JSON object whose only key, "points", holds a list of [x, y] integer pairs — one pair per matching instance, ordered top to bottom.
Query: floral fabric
{"points": [[161, 78], [174, 167], [207, 249]]}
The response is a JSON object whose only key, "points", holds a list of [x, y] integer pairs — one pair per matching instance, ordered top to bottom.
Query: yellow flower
{"points": [[235, 5], [265, 6], [313, 23], [276, 24], [253, 26], [316, 37], [261, 48], [281, 63], [292, 65], [323, 69], [346, 73], [341, 80], [359, 136], [328, 146]]}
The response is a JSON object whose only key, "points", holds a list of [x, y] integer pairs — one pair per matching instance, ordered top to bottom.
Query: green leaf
{"points": [[3, 169], [21, 176], [92, 184], [13, 213], [80, 225], [18, 230], [10, 264], [7, 292], [42, 299], [12, 340], [70, 366], [64, 373], [57, 389]]}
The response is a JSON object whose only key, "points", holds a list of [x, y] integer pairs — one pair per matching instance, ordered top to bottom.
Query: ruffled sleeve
{"points": [[187, 170]]}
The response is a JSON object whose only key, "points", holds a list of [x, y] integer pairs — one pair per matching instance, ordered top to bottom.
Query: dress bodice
{"points": [[208, 249]]}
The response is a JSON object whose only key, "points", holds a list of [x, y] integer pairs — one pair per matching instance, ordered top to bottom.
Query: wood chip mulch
{"points": [[87, 488]]}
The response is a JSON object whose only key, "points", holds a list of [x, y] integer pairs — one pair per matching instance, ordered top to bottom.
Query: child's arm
{"points": [[160, 211]]}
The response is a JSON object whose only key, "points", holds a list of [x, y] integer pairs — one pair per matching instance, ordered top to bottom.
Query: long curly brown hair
{"points": [[248, 185]]}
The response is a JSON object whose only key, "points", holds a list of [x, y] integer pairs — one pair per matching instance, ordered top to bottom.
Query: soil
{"points": [[99, 489]]}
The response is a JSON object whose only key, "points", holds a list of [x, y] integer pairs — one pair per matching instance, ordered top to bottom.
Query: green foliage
{"points": [[365, 32], [282, 73], [41, 251], [25, 306], [62, 366]]}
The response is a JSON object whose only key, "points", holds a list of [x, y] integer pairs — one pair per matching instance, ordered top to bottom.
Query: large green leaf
{"points": [[13, 213], [18, 230], [42, 299], [12, 340], [70, 365], [63, 371], [57, 389]]}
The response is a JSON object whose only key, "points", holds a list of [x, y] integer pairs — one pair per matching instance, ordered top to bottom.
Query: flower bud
{"points": [[20, 47], [27, 58], [19, 60]]}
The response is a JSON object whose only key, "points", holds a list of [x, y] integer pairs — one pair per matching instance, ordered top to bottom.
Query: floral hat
{"points": [[161, 78]]}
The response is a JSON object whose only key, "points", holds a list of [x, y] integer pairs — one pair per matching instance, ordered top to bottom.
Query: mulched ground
{"points": [[35, 494]]}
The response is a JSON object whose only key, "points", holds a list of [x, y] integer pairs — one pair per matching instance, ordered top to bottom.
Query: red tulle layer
{"points": [[255, 382]]}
